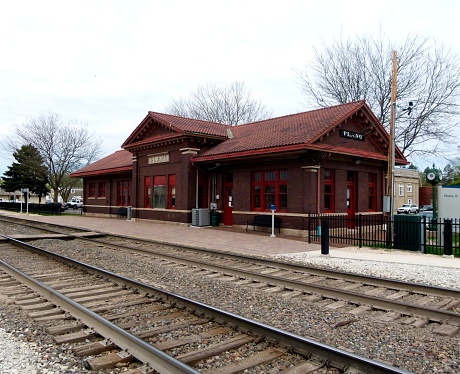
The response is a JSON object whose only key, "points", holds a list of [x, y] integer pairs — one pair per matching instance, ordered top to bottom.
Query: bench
{"points": [[122, 212], [264, 221]]}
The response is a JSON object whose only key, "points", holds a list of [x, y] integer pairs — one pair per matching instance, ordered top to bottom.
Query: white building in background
{"points": [[406, 187], [16, 196]]}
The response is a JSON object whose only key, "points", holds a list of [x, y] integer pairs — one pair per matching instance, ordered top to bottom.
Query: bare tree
{"points": [[428, 86], [232, 105], [65, 147]]}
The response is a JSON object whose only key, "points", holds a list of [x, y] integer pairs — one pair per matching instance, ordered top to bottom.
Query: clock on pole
{"points": [[433, 176]]}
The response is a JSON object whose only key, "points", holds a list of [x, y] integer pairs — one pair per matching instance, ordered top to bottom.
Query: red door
{"points": [[351, 199], [228, 200]]}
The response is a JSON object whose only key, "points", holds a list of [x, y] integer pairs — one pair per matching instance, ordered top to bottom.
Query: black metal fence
{"points": [[50, 209], [409, 232]]}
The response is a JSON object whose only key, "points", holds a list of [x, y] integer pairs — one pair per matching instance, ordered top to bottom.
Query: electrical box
{"points": [[386, 204], [213, 206], [200, 217]]}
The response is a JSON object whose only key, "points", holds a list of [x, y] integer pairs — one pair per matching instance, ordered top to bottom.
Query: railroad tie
{"points": [[447, 329], [258, 359], [108, 361]]}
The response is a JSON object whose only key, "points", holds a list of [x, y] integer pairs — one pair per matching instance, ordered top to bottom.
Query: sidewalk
{"points": [[238, 241]]}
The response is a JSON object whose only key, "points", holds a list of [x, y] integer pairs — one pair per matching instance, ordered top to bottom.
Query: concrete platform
{"points": [[230, 239]]}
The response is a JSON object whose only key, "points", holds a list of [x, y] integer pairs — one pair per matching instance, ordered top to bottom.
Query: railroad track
{"points": [[386, 300], [409, 303], [156, 329]]}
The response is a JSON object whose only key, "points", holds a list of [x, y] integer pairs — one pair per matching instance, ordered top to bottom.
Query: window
{"points": [[269, 188], [409, 188], [101, 189], [401, 189], [91, 190], [159, 191], [328, 191], [147, 192], [172, 192], [124, 193], [372, 202]]}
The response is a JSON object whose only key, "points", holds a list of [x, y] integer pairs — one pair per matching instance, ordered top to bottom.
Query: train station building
{"points": [[175, 169]]}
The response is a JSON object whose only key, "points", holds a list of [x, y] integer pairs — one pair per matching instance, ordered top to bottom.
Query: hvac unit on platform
{"points": [[200, 217]]}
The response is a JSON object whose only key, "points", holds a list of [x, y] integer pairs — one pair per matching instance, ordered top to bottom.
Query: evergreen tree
{"points": [[28, 171]]}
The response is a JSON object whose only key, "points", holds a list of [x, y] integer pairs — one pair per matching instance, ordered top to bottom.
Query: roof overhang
{"points": [[172, 139], [295, 149], [119, 170]]}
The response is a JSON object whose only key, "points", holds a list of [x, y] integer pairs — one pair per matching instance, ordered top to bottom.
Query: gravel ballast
{"points": [[414, 349]]}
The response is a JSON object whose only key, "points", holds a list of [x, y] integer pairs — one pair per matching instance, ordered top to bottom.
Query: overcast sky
{"points": [[107, 63]]}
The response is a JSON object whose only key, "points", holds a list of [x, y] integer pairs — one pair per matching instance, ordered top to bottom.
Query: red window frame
{"points": [[267, 188], [101, 189], [92, 190], [159, 191], [172, 191], [328, 191], [147, 192], [124, 193]]}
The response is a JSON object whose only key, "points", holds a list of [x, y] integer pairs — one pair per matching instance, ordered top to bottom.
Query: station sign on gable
{"points": [[352, 135]]}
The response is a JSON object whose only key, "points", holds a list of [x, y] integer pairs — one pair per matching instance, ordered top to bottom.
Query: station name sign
{"points": [[352, 135], [158, 158]]}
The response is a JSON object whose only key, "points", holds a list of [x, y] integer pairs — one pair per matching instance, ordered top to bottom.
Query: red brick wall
{"points": [[425, 196]]}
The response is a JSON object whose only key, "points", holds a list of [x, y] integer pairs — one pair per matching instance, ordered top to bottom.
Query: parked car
{"points": [[75, 203], [426, 207], [408, 208], [430, 222]]}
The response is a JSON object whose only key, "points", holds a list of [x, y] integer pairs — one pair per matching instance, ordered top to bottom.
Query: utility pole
{"points": [[391, 151], [391, 156]]}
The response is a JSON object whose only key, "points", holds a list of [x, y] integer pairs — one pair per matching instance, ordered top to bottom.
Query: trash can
{"points": [[129, 213], [214, 218], [408, 232]]}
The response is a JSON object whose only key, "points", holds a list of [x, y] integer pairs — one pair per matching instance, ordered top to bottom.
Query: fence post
{"points": [[309, 225], [424, 227], [360, 230], [324, 237], [448, 237]]}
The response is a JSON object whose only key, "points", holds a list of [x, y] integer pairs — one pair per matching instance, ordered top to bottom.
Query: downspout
{"points": [[198, 169], [318, 191], [196, 192], [110, 194]]}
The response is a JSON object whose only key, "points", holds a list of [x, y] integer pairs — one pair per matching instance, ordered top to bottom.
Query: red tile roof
{"points": [[179, 125], [190, 125], [294, 129], [293, 132], [288, 133], [117, 162]]}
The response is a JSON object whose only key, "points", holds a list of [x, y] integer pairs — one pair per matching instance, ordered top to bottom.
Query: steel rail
{"points": [[283, 265], [433, 314], [144, 352], [337, 357]]}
